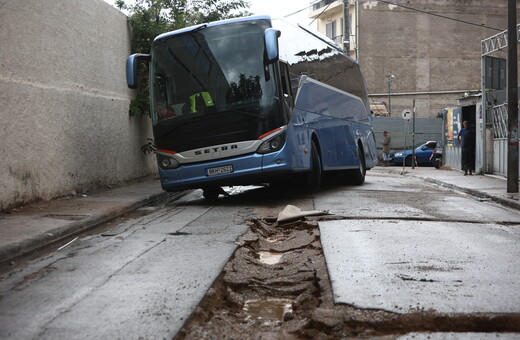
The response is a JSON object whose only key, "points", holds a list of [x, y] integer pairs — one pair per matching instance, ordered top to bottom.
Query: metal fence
{"points": [[500, 121], [426, 129], [500, 133]]}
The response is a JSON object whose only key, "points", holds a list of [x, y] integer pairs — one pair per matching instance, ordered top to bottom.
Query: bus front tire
{"points": [[314, 175]]}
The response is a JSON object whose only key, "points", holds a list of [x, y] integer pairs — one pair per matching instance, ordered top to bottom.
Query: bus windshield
{"points": [[211, 86]]}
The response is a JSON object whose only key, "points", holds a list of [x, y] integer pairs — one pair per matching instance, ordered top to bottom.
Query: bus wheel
{"points": [[314, 175], [358, 177], [211, 193]]}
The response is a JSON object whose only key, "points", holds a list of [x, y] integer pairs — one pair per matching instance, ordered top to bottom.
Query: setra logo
{"points": [[216, 149]]}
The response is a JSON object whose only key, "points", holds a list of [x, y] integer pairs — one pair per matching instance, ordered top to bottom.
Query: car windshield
{"points": [[428, 146]]}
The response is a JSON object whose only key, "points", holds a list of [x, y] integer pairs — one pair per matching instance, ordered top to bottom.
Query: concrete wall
{"points": [[424, 52], [64, 100]]}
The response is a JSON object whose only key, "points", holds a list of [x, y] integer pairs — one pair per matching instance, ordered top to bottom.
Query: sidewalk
{"points": [[484, 186], [34, 226]]}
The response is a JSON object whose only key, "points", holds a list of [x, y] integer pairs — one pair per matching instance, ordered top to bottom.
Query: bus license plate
{"points": [[225, 169]]}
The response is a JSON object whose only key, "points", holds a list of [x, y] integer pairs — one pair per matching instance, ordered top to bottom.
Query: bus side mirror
{"points": [[271, 44], [131, 68]]}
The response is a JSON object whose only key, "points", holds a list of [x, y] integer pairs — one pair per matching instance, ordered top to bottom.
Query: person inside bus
{"points": [[201, 102], [164, 112]]}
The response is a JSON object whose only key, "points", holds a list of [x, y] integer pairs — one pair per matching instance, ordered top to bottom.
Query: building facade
{"points": [[414, 51]]}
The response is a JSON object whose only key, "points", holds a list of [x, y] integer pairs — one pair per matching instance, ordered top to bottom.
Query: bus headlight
{"points": [[273, 144], [167, 163]]}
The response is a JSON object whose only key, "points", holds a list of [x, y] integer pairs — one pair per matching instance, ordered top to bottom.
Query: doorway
{"points": [[469, 113]]}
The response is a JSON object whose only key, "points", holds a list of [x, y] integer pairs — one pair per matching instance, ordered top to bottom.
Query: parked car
{"points": [[422, 153], [436, 157]]}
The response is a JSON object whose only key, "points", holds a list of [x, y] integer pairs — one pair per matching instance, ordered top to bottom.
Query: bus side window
{"points": [[286, 85]]}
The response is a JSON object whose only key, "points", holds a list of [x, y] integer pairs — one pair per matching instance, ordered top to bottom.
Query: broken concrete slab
{"points": [[410, 266]]}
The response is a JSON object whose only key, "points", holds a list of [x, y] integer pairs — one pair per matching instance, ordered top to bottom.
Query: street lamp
{"points": [[389, 80]]}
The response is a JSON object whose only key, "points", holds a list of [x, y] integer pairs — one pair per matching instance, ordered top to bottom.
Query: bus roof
{"points": [[211, 24]]}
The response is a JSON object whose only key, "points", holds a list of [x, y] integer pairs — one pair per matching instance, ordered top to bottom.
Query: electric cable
{"points": [[306, 8], [409, 8], [301, 10], [440, 15], [313, 20]]}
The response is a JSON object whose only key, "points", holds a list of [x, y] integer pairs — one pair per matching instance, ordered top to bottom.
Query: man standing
{"points": [[466, 139], [386, 147]]}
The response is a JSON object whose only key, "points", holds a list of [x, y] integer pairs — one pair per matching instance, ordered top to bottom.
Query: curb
{"points": [[477, 193], [17, 250]]}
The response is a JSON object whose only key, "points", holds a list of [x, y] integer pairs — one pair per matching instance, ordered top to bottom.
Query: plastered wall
{"points": [[64, 102]]}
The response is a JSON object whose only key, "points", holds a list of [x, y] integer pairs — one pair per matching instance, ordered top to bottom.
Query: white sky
{"points": [[281, 8], [278, 9]]}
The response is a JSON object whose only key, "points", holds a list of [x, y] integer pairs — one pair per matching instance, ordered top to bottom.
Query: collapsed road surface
{"points": [[166, 272]]}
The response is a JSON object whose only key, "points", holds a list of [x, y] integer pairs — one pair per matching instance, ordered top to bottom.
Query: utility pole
{"points": [[346, 27], [356, 32], [389, 80], [512, 100], [413, 134]]}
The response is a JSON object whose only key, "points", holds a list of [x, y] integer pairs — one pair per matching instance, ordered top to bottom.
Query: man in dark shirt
{"points": [[467, 141]]}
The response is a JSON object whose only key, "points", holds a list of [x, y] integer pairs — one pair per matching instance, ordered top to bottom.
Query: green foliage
{"points": [[213, 10], [149, 18], [140, 105]]}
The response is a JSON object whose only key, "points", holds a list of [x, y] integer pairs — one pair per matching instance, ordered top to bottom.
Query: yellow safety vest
{"points": [[208, 101]]}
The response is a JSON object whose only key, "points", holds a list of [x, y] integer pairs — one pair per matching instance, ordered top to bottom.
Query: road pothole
{"points": [[267, 257], [276, 286], [269, 311]]}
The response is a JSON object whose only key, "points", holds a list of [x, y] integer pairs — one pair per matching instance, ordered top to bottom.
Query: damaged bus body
{"points": [[254, 100]]}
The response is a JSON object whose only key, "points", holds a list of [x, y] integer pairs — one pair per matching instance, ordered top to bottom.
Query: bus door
{"points": [[297, 131]]}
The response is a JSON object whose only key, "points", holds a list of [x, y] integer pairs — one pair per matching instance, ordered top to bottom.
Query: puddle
{"points": [[267, 257], [268, 310]]}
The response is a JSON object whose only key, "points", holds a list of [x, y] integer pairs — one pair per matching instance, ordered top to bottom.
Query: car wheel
{"points": [[408, 161]]}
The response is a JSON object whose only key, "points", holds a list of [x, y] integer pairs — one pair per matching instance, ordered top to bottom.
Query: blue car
{"points": [[423, 154]]}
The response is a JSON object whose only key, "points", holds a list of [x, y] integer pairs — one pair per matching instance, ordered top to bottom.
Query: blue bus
{"points": [[252, 101]]}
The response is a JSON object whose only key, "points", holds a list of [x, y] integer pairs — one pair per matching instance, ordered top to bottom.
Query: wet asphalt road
{"points": [[405, 246], [143, 277]]}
